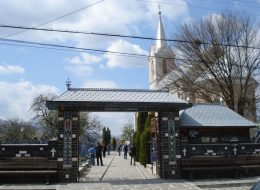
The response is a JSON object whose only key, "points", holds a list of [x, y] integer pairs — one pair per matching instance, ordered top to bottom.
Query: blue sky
{"points": [[27, 72]]}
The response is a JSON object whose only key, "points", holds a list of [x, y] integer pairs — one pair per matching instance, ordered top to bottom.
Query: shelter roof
{"points": [[115, 98], [209, 115]]}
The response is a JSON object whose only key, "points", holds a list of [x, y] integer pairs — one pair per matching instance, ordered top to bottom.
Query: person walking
{"points": [[99, 149], [108, 149], [119, 149], [104, 150], [125, 151], [92, 152], [132, 154]]}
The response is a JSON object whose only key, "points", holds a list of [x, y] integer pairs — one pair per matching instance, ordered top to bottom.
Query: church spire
{"points": [[160, 33]]}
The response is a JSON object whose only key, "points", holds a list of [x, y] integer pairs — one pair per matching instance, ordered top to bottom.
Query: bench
{"points": [[219, 165], [26, 167]]}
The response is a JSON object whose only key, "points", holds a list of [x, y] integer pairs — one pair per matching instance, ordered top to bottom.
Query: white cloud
{"points": [[113, 16], [188, 20], [84, 59], [122, 61], [81, 65], [11, 69], [80, 70], [99, 84], [16, 98]]}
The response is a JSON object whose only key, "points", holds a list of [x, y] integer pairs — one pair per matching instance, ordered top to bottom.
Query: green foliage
{"points": [[141, 118], [148, 121], [106, 136], [145, 137], [136, 142], [114, 144], [144, 151]]}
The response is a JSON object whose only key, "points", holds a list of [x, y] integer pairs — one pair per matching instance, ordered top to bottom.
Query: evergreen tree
{"points": [[141, 118], [106, 136], [144, 151]]}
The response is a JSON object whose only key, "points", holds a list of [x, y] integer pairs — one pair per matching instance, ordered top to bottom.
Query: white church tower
{"points": [[161, 58]]}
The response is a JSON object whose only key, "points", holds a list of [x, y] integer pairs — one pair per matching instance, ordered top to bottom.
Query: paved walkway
{"points": [[118, 174]]}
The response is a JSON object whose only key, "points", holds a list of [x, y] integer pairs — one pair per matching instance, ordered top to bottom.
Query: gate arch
{"points": [[75, 100]]}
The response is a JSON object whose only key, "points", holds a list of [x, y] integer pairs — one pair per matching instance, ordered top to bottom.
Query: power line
{"points": [[240, 3], [176, 5], [188, 5], [60, 17], [80, 32], [127, 36], [72, 48], [79, 49]]}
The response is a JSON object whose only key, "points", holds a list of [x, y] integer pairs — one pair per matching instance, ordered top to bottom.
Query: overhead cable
{"points": [[58, 18], [127, 36]]}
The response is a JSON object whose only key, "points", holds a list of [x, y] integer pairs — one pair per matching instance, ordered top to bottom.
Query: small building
{"points": [[215, 124], [216, 142]]}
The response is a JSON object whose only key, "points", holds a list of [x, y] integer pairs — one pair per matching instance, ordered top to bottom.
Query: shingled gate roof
{"points": [[102, 99], [208, 115]]}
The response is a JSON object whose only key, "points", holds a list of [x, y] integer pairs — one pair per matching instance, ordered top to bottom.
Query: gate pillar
{"points": [[68, 145], [168, 145]]}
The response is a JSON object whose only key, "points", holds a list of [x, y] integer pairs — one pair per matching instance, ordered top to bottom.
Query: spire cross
{"points": [[159, 8], [68, 83]]}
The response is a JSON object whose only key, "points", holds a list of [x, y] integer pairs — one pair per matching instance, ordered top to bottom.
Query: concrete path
{"points": [[119, 175]]}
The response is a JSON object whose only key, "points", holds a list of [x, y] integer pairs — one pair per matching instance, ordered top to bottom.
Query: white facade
{"points": [[161, 58]]}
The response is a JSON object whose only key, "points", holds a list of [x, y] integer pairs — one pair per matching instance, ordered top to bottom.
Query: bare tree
{"points": [[218, 57], [48, 119], [90, 128], [17, 131], [127, 132]]}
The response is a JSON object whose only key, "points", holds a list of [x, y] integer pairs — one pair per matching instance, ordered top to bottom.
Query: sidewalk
{"points": [[96, 173], [121, 175]]}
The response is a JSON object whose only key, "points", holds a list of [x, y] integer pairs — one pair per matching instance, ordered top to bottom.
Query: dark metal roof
{"points": [[103, 99], [208, 115]]}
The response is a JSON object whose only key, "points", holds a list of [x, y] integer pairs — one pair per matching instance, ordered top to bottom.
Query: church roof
{"points": [[160, 42], [117, 97], [208, 115]]}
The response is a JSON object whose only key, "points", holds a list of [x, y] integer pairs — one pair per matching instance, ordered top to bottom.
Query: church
{"points": [[163, 73], [213, 138]]}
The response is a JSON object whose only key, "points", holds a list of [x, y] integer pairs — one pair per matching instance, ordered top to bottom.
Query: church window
{"points": [[164, 66], [152, 69]]}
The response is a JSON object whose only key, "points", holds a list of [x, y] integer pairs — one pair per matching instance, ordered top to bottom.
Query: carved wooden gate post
{"points": [[68, 145], [168, 145]]}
